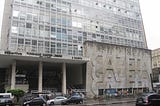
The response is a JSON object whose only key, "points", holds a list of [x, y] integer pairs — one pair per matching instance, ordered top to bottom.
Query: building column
{"points": [[13, 75], [40, 76], [64, 78]]}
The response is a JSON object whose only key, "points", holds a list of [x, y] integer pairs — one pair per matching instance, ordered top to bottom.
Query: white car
{"points": [[6, 99], [57, 100]]}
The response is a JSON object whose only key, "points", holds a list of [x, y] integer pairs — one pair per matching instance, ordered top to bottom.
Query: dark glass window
{"points": [[28, 25], [53, 29], [58, 29], [63, 30], [20, 41], [34, 42]]}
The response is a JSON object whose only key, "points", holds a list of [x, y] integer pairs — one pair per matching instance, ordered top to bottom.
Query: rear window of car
{"points": [[145, 95], [155, 96]]}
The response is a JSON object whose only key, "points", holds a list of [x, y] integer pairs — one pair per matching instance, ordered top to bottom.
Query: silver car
{"points": [[57, 100]]}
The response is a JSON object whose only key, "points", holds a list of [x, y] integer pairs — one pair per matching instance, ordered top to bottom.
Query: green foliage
{"points": [[16, 92]]}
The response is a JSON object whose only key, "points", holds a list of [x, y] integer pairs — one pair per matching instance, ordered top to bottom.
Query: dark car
{"points": [[148, 99], [72, 100], [38, 101]]}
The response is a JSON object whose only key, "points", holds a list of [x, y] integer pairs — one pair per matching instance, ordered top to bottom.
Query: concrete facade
{"points": [[6, 24], [156, 58], [113, 66]]}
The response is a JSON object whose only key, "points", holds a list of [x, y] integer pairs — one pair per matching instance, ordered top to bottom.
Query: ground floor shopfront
{"points": [[41, 74]]}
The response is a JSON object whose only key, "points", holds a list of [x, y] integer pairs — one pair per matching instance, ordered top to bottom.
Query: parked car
{"points": [[6, 99], [73, 99], [148, 99], [56, 100], [38, 101]]}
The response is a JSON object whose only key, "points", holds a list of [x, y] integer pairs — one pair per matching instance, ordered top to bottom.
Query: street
{"points": [[110, 102], [107, 104], [119, 104], [124, 104]]}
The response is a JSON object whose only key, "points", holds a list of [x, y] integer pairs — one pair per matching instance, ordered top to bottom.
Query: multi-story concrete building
{"points": [[44, 39], [156, 65], [156, 69]]}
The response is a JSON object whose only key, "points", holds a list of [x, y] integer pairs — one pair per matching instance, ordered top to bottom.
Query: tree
{"points": [[17, 93]]}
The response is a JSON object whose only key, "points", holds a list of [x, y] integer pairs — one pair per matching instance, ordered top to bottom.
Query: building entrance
{"points": [[27, 75]]}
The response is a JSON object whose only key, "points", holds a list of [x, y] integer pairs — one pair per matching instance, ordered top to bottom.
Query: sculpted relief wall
{"points": [[113, 66]]}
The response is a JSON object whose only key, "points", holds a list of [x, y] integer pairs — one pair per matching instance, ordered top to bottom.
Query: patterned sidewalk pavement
{"points": [[91, 102]]}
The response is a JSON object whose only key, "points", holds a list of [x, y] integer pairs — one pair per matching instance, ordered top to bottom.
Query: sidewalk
{"points": [[91, 102]]}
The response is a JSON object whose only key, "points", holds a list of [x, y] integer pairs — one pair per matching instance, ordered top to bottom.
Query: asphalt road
{"points": [[120, 104], [123, 104]]}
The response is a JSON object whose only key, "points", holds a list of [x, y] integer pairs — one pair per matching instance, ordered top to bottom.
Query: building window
{"points": [[114, 0], [15, 14], [29, 17], [15, 23], [21, 24], [28, 25], [41, 27], [47, 28], [53, 29], [58, 29], [14, 30], [64, 31], [13, 40], [20, 41], [27, 41], [34, 42]]}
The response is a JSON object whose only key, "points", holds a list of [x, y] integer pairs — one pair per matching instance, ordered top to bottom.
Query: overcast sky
{"points": [[151, 19]]}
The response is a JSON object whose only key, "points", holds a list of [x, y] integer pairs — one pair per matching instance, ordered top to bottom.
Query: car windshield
{"points": [[4, 96], [59, 97]]}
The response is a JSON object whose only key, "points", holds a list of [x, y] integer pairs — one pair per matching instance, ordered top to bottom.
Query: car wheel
{"points": [[80, 102], [52, 103], [43, 104], [27, 105]]}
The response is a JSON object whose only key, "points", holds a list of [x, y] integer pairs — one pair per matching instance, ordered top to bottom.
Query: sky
{"points": [[151, 20]]}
